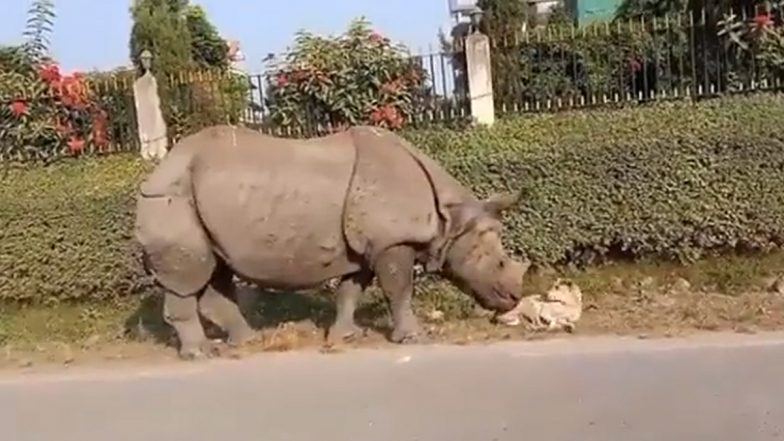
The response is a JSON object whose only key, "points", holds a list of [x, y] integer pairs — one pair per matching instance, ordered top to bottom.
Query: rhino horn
{"points": [[498, 203]]}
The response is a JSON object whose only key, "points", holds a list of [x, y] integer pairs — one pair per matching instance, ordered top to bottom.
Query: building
{"points": [[582, 11], [592, 11], [236, 56]]}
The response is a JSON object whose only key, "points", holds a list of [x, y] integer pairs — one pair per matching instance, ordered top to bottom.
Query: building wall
{"points": [[591, 11]]}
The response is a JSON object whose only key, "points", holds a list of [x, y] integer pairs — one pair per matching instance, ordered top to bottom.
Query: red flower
{"points": [[762, 20], [375, 37], [50, 73], [281, 79], [391, 88], [71, 91], [18, 107], [376, 115], [387, 115], [394, 119], [99, 128], [75, 144]]}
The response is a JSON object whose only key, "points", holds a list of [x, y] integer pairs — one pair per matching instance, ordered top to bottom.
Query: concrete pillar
{"points": [[480, 78], [151, 125]]}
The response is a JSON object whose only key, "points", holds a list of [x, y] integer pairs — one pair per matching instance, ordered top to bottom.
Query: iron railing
{"points": [[679, 56], [682, 56]]}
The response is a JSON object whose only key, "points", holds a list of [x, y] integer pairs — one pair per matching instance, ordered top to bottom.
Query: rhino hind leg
{"points": [[178, 254], [395, 270], [348, 292], [218, 304], [182, 314]]}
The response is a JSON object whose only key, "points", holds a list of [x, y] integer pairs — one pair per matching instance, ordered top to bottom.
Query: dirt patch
{"points": [[741, 295]]}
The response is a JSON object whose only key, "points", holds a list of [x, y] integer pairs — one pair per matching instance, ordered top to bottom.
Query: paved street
{"points": [[712, 388]]}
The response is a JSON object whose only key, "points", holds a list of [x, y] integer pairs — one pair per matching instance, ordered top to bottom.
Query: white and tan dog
{"points": [[560, 307]]}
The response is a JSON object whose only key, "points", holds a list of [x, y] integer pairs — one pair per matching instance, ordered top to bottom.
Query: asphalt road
{"points": [[713, 388]]}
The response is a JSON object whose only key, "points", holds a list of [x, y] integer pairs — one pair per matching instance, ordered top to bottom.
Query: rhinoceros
{"points": [[291, 214]]}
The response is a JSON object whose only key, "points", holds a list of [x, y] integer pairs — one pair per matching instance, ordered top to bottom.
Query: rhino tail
{"points": [[176, 248]]}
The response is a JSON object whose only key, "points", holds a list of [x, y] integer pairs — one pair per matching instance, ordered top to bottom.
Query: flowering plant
{"points": [[761, 35], [359, 77], [45, 113]]}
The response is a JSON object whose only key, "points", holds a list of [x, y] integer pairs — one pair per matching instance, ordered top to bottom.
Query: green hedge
{"points": [[673, 180], [66, 231]]}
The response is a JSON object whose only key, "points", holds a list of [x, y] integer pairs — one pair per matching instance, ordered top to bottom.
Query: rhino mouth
{"points": [[494, 297], [503, 300]]}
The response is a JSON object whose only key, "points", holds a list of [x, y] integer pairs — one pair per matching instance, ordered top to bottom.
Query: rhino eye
{"points": [[501, 264]]}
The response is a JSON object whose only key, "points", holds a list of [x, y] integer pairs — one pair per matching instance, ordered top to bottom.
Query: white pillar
{"points": [[480, 78], [150, 123]]}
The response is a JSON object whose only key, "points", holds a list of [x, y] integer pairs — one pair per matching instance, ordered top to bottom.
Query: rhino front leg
{"points": [[395, 271], [347, 296], [219, 305], [182, 313]]}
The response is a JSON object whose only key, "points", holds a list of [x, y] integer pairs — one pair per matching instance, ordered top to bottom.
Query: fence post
{"points": [[480, 78], [151, 126]]}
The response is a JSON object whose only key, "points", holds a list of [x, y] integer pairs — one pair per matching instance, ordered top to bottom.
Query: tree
{"points": [[40, 19], [503, 20], [160, 26], [179, 35], [182, 41], [208, 49]]}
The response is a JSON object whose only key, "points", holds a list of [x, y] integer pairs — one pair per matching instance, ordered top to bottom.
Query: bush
{"points": [[644, 54], [356, 78], [201, 98], [45, 114], [674, 181], [65, 231]]}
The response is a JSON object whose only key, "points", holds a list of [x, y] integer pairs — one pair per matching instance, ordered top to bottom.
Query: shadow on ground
{"points": [[264, 310]]}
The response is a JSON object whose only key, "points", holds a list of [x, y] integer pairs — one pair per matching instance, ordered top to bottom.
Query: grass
{"points": [[647, 297]]}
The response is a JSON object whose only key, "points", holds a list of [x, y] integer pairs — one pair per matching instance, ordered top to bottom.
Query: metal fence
{"points": [[678, 56], [685, 56], [443, 97], [45, 120]]}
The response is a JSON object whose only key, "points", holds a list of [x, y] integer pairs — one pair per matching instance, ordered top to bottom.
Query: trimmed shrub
{"points": [[673, 181], [66, 231]]}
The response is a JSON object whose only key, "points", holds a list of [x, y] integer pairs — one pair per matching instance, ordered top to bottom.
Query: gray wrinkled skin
{"points": [[292, 214]]}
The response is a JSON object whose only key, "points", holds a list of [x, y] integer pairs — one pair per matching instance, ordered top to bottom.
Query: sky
{"points": [[93, 34]]}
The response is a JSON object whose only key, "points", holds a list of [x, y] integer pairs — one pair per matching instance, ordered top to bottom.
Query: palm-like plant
{"points": [[40, 20]]}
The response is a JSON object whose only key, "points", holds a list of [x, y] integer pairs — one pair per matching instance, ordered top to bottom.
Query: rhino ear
{"points": [[498, 203]]}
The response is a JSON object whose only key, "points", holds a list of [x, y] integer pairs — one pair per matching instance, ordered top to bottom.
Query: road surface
{"points": [[713, 388]]}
